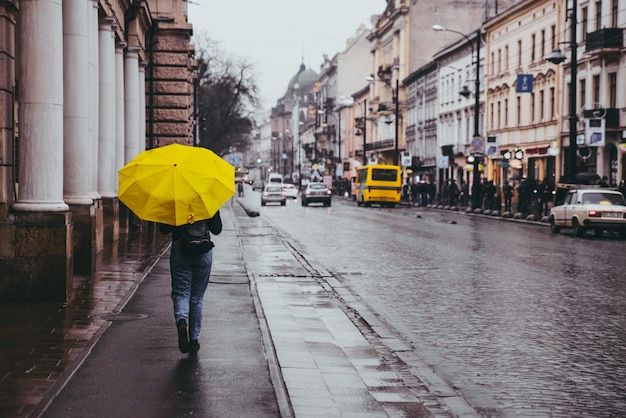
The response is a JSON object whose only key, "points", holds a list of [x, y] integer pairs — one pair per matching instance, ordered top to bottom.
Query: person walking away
{"points": [[622, 188], [240, 189], [406, 192], [453, 192], [464, 192], [490, 192], [507, 192], [545, 197], [190, 272]]}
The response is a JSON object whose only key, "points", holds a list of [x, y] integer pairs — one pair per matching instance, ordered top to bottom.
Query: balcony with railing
{"points": [[605, 39]]}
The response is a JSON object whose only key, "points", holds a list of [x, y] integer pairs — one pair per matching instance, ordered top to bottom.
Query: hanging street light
{"points": [[557, 57], [476, 139]]}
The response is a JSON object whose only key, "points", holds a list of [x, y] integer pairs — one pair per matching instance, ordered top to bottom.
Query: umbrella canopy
{"points": [[176, 184]]}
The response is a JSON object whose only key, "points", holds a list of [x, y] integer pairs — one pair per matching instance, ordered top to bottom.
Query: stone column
{"points": [[8, 13], [94, 91], [131, 104], [142, 107], [131, 108], [119, 111], [120, 126], [77, 149], [107, 175], [76, 187], [40, 264]]}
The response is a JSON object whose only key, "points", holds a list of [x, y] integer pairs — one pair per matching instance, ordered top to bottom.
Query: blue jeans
{"points": [[190, 278]]}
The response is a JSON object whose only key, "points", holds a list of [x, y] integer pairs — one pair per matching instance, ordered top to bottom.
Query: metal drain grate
{"points": [[120, 316]]}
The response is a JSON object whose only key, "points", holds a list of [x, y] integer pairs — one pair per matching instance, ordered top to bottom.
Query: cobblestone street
{"points": [[498, 309]]}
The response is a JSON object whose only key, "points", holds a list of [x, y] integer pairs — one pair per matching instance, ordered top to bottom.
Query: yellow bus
{"points": [[379, 183]]}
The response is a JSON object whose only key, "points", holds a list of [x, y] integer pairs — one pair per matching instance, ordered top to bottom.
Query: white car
{"points": [[290, 191], [273, 193], [596, 209]]}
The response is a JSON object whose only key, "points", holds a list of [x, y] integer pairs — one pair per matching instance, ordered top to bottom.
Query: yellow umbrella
{"points": [[176, 184]]}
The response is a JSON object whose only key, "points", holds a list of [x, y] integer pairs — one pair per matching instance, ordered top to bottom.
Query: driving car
{"points": [[257, 184], [290, 190], [273, 193], [316, 193], [596, 209]]}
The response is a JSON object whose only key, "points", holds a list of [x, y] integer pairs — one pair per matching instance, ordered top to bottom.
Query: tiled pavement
{"points": [[42, 343]]}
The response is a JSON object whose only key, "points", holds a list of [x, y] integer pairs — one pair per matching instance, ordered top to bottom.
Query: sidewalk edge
{"points": [[280, 389]]}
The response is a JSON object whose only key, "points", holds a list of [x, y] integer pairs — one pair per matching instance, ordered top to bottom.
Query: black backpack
{"points": [[195, 238]]}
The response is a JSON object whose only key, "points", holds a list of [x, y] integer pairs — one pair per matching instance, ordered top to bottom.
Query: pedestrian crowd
{"points": [[532, 197]]}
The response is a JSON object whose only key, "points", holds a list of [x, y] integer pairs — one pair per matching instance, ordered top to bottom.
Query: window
{"points": [[614, 13], [598, 15], [584, 20], [553, 37], [543, 43], [532, 48], [519, 54], [506, 58], [499, 61], [493, 63], [596, 89], [613, 90], [569, 93], [583, 93], [552, 103], [541, 106], [532, 107], [519, 111], [499, 113], [506, 113], [492, 117]]}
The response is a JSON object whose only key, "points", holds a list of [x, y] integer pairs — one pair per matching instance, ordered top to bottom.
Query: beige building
{"points": [[389, 42], [85, 86], [601, 87], [522, 109]]}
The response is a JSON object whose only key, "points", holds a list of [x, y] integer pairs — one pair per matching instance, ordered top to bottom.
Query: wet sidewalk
{"points": [[281, 337]]}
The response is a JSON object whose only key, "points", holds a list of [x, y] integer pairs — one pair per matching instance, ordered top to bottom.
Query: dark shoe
{"points": [[183, 338], [194, 345]]}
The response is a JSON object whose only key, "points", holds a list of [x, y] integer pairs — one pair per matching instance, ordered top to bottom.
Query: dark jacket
{"points": [[214, 225]]}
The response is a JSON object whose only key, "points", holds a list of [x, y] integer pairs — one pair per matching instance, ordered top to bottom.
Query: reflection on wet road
{"points": [[523, 322]]}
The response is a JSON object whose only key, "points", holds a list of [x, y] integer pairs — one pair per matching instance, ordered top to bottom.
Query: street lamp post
{"points": [[557, 57], [385, 76], [361, 123], [296, 130], [364, 130], [396, 156], [476, 164]]}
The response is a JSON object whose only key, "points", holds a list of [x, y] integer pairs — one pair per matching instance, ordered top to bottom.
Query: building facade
{"points": [[389, 42], [86, 86], [601, 87], [522, 103]]}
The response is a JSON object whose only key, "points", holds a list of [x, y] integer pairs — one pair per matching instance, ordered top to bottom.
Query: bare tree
{"points": [[227, 99]]}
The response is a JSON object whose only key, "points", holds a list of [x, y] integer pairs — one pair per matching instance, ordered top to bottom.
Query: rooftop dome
{"points": [[305, 77]]}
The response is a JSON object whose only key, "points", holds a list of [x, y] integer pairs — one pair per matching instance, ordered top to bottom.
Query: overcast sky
{"points": [[278, 35]]}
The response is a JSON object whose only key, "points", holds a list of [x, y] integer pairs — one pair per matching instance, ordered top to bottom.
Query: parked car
{"points": [[257, 184], [290, 191], [273, 193], [316, 193], [596, 209]]}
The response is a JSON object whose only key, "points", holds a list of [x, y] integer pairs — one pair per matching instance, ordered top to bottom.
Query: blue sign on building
{"points": [[524, 83]]}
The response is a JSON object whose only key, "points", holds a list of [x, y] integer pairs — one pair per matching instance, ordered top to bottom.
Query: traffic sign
{"points": [[478, 144]]}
